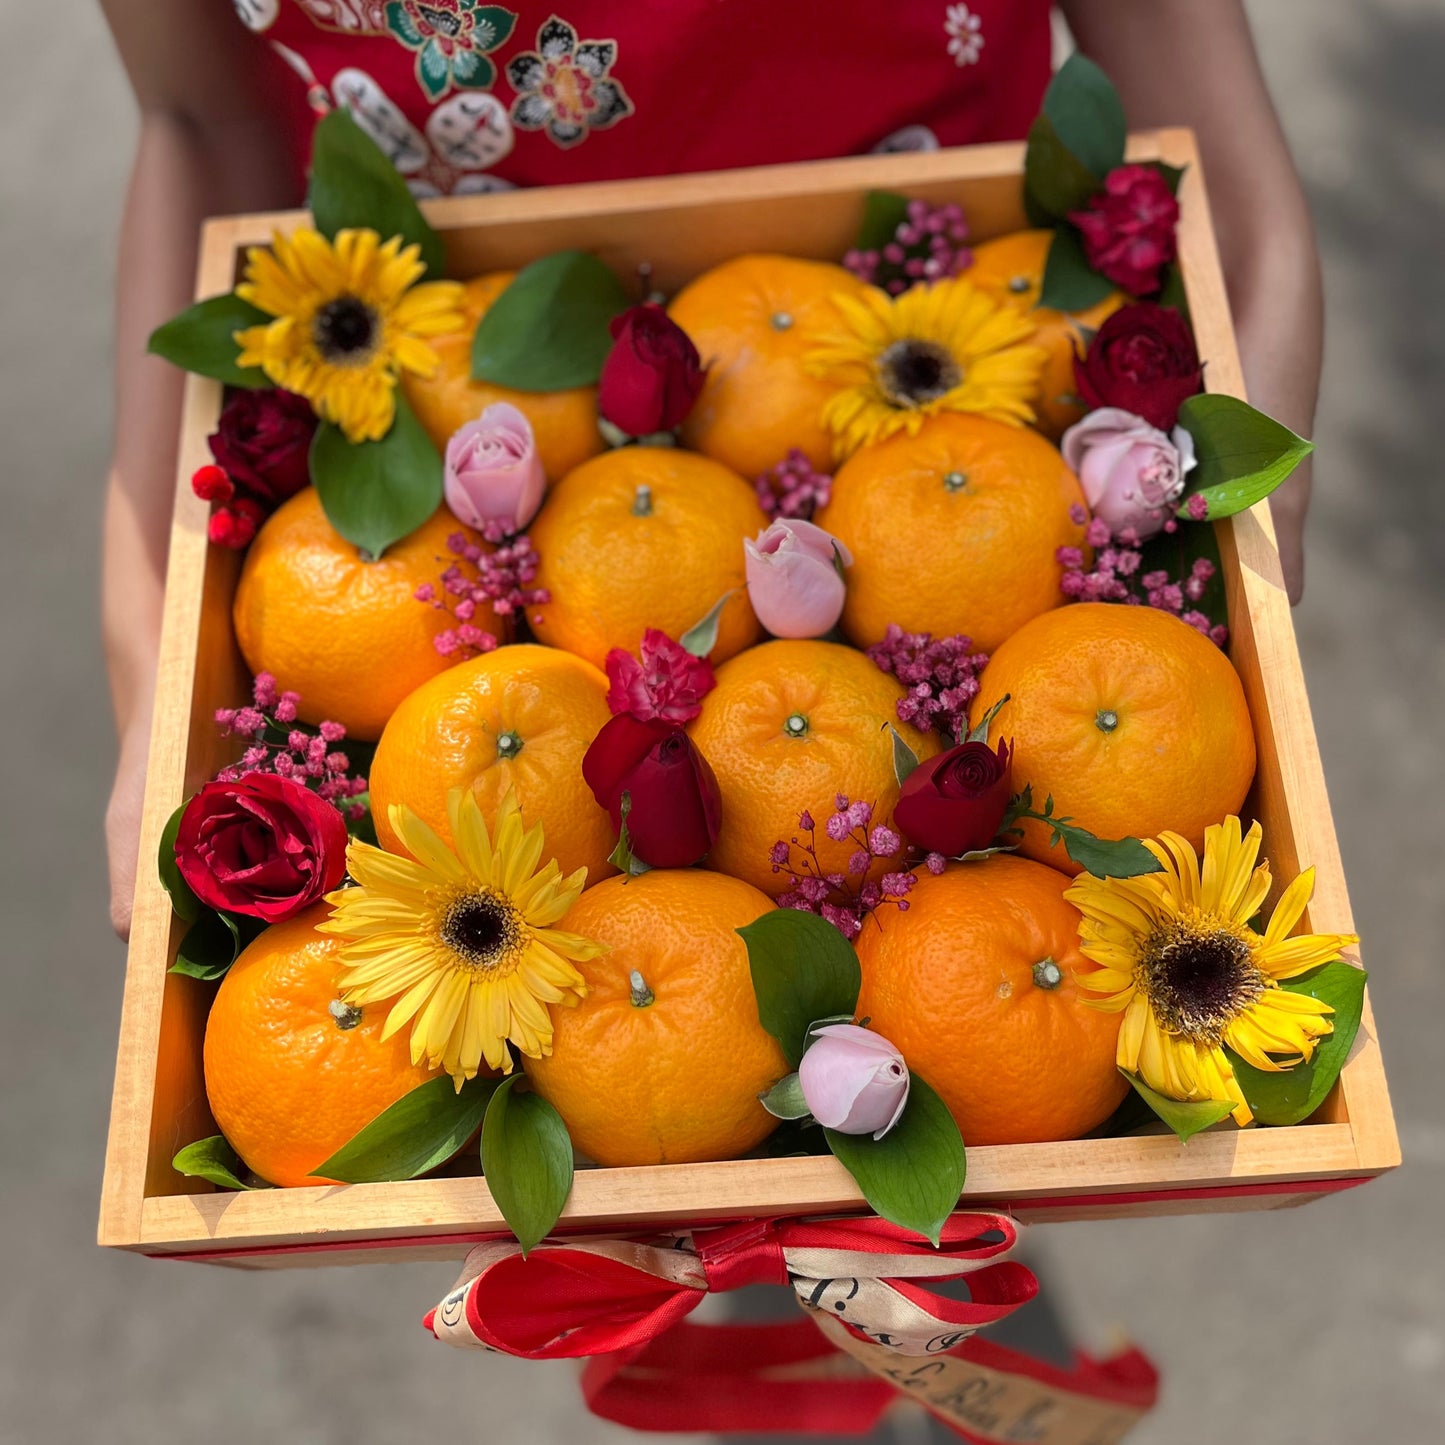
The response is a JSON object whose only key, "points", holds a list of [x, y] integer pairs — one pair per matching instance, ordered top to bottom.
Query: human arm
{"points": [[1193, 62], [206, 146]]}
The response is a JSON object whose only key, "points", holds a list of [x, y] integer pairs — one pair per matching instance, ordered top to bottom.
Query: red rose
{"points": [[1128, 230], [1143, 360], [652, 375], [263, 440], [955, 802], [675, 811], [264, 846]]}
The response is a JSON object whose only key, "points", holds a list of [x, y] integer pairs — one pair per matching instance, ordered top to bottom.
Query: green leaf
{"points": [[1087, 114], [1172, 174], [1056, 181], [354, 185], [883, 213], [1069, 284], [1172, 293], [548, 331], [202, 339], [1243, 455], [375, 493], [1175, 553], [701, 637], [979, 734], [904, 758], [622, 855], [1104, 857], [184, 903], [213, 943], [803, 970], [1292, 1096], [785, 1099], [1186, 1119], [422, 1130], [212, 1159], [526, 1160], [912, 1176]]}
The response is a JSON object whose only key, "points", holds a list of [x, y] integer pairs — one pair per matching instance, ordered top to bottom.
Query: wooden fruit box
{"points": [[680, 226]]}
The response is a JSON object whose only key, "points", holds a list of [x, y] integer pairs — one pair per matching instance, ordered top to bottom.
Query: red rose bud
{"points": [[1128, 229], [1143, 360], [652, 375], [263, 440], [211, 484], [235, 525], [955, 802], [675, 809], [264, 846]]}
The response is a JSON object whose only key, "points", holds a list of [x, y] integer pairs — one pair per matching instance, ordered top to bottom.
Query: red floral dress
{"points": [[466, 96]]}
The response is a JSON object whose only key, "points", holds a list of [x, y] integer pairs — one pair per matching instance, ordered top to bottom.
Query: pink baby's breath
{"points": [[927, 245], [792, 488], [1115, 577], [499, 578], [941, 677]]}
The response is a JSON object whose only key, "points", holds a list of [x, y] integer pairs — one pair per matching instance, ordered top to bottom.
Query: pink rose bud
{"points": [[493, 473], [1132, 473], [793, 579], [853, 1080]]}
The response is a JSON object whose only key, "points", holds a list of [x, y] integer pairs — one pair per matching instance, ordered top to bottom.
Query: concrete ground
{"points": [[1301, 1328]]}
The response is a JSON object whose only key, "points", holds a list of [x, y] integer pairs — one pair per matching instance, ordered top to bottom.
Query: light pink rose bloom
{"points": [[492, 472], [1132, 473], [793, 581], [853, 1080]]}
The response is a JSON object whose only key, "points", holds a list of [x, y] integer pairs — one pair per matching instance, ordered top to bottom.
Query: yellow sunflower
{"points": [[349, 316], [945, 347], [463, 941], [1178, 956]]}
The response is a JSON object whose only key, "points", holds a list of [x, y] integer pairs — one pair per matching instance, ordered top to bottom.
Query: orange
{"points": [[1011, 269], [754, 320], [564, 422], [953, 530], [644, 537], [347, 634], [521, 718], [1131, 719], [789, 727], [976, 985], [292, 1073], [674, 1078]]}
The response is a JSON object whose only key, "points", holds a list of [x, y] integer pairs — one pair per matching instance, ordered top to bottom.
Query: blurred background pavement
{"points": [[1305, 1327]]}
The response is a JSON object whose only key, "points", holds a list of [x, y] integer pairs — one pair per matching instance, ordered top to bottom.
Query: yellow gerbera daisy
{"points": [[349, 316], [945, 347], [463, 941], [1178, 956]]}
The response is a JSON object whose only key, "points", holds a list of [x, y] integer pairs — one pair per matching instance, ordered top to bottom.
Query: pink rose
{"points": [[1128, 229], [1131, 473], [493, 474], [793, 579], [664, 681], [853, 1080]]}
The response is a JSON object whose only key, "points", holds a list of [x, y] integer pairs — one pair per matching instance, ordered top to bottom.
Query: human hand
{"points": [[1288, 505], [122, 823]]}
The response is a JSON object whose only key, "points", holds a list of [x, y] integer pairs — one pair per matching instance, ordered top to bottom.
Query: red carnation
{"points": [[1128, 229], [1143, 361], [652, 375], [263, 440], [668, 682], [955, 802], [675, 810], [264, 846]]}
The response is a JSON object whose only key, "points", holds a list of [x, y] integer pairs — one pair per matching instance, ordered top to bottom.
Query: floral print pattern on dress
{"points": [[353, 17], [965, 35], [451, 39], [565, 86]]}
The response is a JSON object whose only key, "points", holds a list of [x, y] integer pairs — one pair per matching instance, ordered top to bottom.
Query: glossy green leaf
{"points": [[1087, 114], [1056, 181], [354, 185], [883, 213], [1069, 283], [548, 330], [202, 339], [1243, 455], [375, 493], [701, 637], [905, 760], [622, 856], [1106, 857], [184, 903], [213, 943], [803, 970], [1292, 1096], [785, 1099], [1186, 1120], [419, 1132], [215, 1160], [526, 1160], [912, 1176]]}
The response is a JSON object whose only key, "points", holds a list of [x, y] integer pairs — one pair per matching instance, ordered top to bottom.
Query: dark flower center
{"points": [[441, 20], [345, 330], [913, 373], [483, 928], [1199, 980]]}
